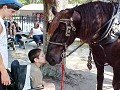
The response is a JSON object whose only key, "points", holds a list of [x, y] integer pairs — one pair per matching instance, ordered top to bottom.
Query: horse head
{"points": [[63, 33]]}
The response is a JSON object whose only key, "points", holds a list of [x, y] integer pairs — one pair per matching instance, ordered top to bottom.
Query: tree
{"points": [[36, 1], [77, 1], [25, 2], [59, 4], [48, 70]]}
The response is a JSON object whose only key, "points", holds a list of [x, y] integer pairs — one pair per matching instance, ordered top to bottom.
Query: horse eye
{"points": [[62, 28]]}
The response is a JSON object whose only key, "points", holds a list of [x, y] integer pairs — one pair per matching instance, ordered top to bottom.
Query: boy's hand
{"points": [[5, 79]]}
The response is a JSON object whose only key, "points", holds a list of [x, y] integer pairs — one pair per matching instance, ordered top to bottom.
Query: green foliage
{"points": [[70, 1], [77, 1], [25, 2]]}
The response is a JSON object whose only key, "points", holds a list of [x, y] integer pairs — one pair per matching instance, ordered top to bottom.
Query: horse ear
{"points": [[54, 10], [71, 11], [54, 24]]}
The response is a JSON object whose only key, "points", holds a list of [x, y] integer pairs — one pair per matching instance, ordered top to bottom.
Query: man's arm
{"points": [[1, 29], [41, 29], [30, 33], [5, 79]]}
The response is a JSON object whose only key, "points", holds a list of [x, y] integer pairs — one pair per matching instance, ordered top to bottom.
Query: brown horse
{"points": [[91, 23]]}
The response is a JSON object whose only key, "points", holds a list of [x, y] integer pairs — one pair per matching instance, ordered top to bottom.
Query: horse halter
{"points": [[69, 26]]}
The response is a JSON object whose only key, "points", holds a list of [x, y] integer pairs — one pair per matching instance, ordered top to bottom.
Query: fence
{"points": [[27, 22]]}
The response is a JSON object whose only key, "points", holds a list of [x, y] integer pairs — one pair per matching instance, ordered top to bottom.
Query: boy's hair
{"points": [[12, 6], [34, 53]]}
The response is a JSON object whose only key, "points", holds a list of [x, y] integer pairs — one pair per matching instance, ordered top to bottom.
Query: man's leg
{"points": [[41, 38], [36, 39], [15, 71], [19, 74], [1, 86]]}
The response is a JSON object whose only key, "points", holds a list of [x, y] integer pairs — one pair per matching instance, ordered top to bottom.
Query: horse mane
{"points": [[93, 16]]}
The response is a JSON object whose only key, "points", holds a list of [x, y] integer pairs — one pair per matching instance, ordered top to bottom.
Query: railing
{"points": [[27, 22]]}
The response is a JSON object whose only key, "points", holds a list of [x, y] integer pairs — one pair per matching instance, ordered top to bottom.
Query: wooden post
{"points": [[47, 16]]}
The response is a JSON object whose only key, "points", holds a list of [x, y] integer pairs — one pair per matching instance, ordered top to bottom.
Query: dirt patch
{"points": [[77, 75]]}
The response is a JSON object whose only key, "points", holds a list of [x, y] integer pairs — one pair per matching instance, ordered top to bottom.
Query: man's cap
{"points": [[15, 2]]}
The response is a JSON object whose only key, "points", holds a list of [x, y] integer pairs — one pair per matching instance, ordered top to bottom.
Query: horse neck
{"points": [[92, 18]]}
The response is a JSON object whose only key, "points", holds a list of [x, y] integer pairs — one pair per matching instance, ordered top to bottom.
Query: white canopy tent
{"points": [[34, 8], [30, 9]]}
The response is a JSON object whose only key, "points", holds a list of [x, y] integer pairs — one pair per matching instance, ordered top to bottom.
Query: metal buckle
{"points": [[68, 31]]}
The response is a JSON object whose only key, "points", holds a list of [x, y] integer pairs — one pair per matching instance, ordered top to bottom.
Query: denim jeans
{"points": [[38, 38]]}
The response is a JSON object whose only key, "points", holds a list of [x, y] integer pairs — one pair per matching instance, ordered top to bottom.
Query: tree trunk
{"points": [[48, 70]]}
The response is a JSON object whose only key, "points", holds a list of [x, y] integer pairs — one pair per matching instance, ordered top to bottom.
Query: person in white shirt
{"points": [[7, 9], [37, 33]]}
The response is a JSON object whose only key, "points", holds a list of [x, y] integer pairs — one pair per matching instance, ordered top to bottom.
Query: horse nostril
{"points": [[52, 62]]}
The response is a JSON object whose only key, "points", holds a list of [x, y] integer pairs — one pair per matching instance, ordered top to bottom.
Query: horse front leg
{"points": [[100, 76], [116, 79]]}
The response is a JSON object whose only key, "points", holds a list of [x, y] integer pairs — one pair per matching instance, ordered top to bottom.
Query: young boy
{"points": [[7, 9], [37, 58], [29, 76]]}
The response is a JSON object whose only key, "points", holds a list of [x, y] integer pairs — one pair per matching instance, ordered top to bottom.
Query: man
{"points": [[7, 9], [37, 33]]}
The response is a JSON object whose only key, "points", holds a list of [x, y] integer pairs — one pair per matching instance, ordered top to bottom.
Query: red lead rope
{"points": [[62, 78]]}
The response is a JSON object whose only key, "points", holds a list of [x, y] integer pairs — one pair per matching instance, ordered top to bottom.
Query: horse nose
{"points": [[52, 62]]}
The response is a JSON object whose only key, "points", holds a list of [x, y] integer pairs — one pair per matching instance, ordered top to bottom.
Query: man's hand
{"points": [[5, 79]]}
